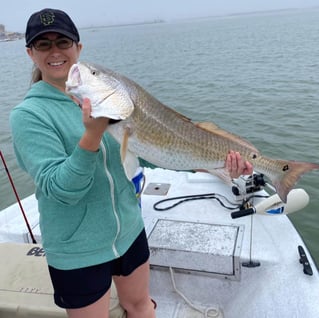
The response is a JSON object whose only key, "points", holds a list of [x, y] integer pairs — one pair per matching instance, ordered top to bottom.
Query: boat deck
{"points": [[210, 275], [276, 288]]}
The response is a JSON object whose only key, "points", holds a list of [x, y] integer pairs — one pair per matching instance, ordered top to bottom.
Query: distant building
{"points": [[2, 31], [9, 36]]}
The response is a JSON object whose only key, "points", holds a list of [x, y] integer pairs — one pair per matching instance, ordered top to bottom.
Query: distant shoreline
{"points": [[248, 13], [196, 18], [123, 24]]}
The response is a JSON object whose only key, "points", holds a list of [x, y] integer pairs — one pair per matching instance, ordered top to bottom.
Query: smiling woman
{"points": [[50, 39], [54, 61], [73, 164]]}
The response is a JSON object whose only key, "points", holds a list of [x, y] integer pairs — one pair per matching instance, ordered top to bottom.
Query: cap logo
{"points": [[47, 18]]}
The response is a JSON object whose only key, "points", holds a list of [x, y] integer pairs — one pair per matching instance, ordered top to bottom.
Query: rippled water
{"points": [[255, 75]]}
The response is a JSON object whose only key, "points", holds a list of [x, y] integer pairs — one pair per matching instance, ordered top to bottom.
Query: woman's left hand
{"points": [[236, 165]]}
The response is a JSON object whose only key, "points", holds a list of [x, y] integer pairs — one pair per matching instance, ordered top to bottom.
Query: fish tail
{"points": [[291, 171]]}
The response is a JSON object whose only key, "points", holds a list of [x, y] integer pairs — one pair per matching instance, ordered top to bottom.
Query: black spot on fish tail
{"points": [[285, 168], [291, 173]]}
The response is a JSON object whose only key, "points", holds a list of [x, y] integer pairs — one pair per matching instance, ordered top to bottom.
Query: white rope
{"points": [[209, 312]]}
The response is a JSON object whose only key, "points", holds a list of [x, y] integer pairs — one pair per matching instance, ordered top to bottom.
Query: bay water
{"points": [[256, 75]]}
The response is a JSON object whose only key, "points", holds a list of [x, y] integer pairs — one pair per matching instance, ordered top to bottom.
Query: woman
{"points": [[91, 224]]}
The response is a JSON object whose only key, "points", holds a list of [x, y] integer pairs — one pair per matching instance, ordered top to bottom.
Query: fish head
{"points": [[109, 97]]}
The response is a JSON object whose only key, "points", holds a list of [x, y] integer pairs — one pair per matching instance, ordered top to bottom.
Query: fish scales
{"points": [[169, 133]]}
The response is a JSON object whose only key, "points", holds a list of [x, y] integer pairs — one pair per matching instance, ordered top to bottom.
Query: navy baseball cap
{"points": [[50, 20]]}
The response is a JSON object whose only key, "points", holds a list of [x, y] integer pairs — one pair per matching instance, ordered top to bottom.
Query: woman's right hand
{"points": [[94, 128]]}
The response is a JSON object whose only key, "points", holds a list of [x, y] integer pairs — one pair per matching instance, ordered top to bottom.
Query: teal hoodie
{"points": [[89, 213]]}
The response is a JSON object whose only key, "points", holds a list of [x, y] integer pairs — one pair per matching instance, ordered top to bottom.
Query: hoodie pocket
{"points": [[96, 226]]}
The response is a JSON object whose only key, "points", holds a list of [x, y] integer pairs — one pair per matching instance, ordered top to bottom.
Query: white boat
{"points": [[204, 262]]}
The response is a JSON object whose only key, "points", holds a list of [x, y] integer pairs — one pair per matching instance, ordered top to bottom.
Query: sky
{"points": [[15, 13]]}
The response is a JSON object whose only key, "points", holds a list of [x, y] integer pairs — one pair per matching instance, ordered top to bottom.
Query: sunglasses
{"points": [[46, 44]]}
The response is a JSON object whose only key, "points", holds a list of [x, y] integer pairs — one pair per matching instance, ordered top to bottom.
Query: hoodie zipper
{"points": [[111, 182]]}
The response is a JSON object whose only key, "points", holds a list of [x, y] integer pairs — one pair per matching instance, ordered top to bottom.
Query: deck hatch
{"points": [[199, 247]]}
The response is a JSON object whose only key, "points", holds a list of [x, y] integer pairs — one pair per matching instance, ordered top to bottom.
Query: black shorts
{"points": [[81, 287]]}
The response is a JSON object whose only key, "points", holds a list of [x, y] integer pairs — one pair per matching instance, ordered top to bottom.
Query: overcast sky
{"points": [[15, 13]]}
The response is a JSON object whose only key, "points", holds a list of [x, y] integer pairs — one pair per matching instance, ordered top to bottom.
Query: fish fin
{"points": [[209, 126], [213, 128], [124, 143], [129, 160], [130, 164], [290, 173], [223, 174]]}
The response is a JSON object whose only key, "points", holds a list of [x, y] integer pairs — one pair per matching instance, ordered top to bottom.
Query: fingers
{"points": [[86, 109], [236, 165], [249, 169]]}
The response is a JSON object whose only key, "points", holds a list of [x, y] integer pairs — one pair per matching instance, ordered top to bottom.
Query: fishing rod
{"points": [[18, 199]]}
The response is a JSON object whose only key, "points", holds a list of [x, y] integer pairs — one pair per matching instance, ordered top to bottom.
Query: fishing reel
{"points": [[247, 185]]}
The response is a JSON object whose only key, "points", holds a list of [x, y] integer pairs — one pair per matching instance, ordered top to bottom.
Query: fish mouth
{"points": [[74, 78], [114, 121]]}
